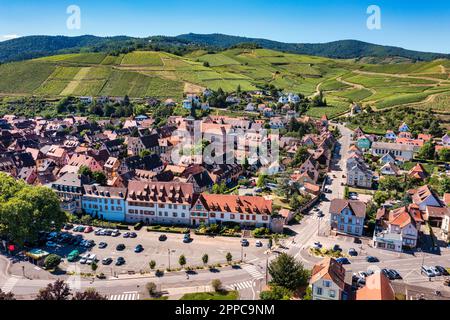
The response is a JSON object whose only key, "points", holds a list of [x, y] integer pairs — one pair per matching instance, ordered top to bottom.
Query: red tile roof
{"points": [[235, 203], [329, 269], [378, 287]]}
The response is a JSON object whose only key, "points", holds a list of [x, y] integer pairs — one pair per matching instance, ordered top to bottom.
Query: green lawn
{"points": [[227, 295]]}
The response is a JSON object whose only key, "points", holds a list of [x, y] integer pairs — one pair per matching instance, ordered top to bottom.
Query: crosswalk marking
{"points": [[319, 218], [253, 271], [9, 284], [241, 285], [125, 296]]}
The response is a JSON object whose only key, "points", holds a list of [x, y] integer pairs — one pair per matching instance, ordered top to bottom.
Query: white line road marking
{"points": [[253, 271], [241, 285], [125, 296]]}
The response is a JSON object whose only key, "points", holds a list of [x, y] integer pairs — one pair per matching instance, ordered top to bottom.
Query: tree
{"points": [[427, 151], [144, 153], [444, 155], [300, 156], [85, 171], [100, 178], [261, 181], [389, 183], [444, 185], [346, 192], [380, 197], [26, 210], [229, 257], [205, 259], [182, 260], [52, 261], [152, 264], [94, 267], [287, 272], [217, 285], [151, 288], [59, 290], [276, 293], [89, 294], [6, 296]]}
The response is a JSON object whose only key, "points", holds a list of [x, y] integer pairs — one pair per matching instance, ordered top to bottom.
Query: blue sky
{"points": [[418, 25]]}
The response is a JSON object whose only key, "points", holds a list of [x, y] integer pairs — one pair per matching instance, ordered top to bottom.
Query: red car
{"points": [[88, 229]]}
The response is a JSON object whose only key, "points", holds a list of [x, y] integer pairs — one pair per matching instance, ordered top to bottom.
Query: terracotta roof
{"points": [[418, 171], [106, 192], [160, 192], [447, 198], [234, 203], [356, 206], [437, 212], [405, 215], [329, 269], [378, 287]]}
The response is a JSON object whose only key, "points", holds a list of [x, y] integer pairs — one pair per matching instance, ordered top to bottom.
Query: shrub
{"points": [[138, 226], [122, 227], [52, 261], [217, 285], [151, 288]]}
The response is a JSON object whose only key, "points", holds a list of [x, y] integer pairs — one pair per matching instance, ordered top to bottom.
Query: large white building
{"points": [[159, 202]]}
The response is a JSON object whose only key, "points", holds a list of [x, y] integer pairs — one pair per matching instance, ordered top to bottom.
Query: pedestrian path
{"points": [[253, 271], [9, 284], [240, 285], [125, 296]]}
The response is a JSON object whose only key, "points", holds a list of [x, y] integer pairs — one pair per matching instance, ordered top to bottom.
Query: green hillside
{"points": [[163, 75]]}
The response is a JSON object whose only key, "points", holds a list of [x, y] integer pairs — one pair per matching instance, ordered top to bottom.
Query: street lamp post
{"points": [[168, 252]]}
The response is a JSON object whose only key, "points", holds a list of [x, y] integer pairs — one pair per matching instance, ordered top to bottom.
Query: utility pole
{"points": [[267, 269]]}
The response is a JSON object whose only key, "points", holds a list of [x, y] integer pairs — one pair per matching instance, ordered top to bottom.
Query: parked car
{"points": [[320, 214], [68, 226], [88, 229], [115, 233], [126, 235], [133, 235], [162, 237], [187, 238], [245, 243], [51, 244], [259, 244], [102, 245], [317, 245], [120, 247], [336, 247], [139, 248], [352, 252], [73, 255], [84, 258], [91, 259], [372, 259], [107, 261], [120, 261], [342, 261], [442, 270], [427, 271], [436, 272], [362, 274], [388, 274], [396, 275]]}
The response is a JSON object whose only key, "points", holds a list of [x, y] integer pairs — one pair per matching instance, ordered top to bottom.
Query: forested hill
{"points": [[40, 46], [344, 49]]}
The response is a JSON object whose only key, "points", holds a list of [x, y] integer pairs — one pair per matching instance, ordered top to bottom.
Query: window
{"points": [[231, 216], [265, 218], [326, 284], [319, 291], [332, 293]]}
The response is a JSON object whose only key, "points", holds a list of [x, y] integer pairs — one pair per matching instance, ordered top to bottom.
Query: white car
{"points": [[258, 244], [84, 258], [92, 258], [427, 271], [436, 272]]}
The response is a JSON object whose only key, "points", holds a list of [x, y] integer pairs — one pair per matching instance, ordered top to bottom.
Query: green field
{"points": [[160, 74]]}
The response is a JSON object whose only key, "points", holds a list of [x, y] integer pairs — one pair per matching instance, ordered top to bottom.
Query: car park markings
{"points": [[253, 271], [125, 296]]}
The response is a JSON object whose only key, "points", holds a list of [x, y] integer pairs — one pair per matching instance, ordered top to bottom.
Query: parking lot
{"points": [[162, 252]]}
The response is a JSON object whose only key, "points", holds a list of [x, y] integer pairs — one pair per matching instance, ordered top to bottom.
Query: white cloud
{"points": [[8, 37]]}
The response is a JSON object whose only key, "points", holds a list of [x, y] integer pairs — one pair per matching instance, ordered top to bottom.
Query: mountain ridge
{"points": [[30, 47]]}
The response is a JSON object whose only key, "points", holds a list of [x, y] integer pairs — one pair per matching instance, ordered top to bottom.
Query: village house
{"points": [[399, 151], [81, 160], [358, 175], [69, 188], [159, 202], [104, 203], [244, 210], [347, 216], [397, 229], [328, 281], [378, 287]]}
